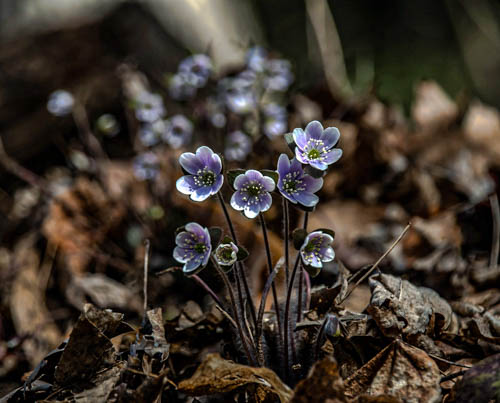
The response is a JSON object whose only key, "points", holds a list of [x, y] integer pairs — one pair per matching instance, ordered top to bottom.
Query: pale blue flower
{"points": [[60, 103], [178, 132], [238, 146], [252, 193], [193, 247], [317, 249]]}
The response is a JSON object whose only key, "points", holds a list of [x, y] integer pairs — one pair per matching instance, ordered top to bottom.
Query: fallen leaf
{"points": [[156, 343], [89, 347], [399, 370], [216, 375], [323, 384]]}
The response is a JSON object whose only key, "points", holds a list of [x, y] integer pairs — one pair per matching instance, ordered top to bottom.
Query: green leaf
{"points": [[290, 141], [315, 173], [232, 174], [271, 174], [326, 231], [215, 235], [298, 237], [226, 240], [242, 253]]}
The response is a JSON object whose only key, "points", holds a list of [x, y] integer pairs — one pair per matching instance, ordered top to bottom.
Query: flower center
{"points": [[313, 154], [204, 177], [292, 184], [254, 189], [200, 248], [226, 254]]}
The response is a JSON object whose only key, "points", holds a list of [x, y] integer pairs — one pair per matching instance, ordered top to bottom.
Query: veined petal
{"points": [[314, 130], [330, 136], [300, 138], [204, 154], [332, 156], [300, 157], [190, 163], [215, 164], [283, 164], [295, 165], [318, 165], [253, 175], [219, 180], [240, 181], [268, 183], [185, 184], [312, 184], [201, 194], [307, 199], [237, 201], [265, 202], [251, 210], [195, 228], [184, 240], [181, 254], [329, 254], [191, 265]]}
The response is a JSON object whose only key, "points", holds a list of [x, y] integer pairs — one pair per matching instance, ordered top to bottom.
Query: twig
{"points": [[147, 245], [495, 246], [377, 262], [207, 288], [226, 315], [436, 357], [452, 376]]}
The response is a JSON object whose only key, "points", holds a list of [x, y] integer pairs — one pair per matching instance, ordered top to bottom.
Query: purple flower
{"points": [[256, 59], [199, 67], [278, 75], [181, 86], [240, 94], [60, 103], [149, 107], [215, 112], [275, 122], [179, 131], [150, 133], [315, 145], [238, 146], [146, 166], [205, 178], [295, 184], [252, 193], [193, 247], [317, 249], [225, 254]]}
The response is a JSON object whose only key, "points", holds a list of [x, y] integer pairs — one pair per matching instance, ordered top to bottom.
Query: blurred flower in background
{"points": [[199, 67], [60, 103], [149, 107], [275, 120], [178, 131], [238, 146], [146, 166]]}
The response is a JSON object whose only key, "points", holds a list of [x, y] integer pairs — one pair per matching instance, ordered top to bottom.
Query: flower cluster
{"points": [[193, 73], [296, 180]]}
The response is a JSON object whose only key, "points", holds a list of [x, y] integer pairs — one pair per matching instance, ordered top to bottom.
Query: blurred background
{"points": [[85, 177]]}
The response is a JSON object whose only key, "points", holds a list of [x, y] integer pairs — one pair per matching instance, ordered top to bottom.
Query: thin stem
{"points": [[306, 220], [286, 230], [147, 245], [495, 247], [377, 262], [239, 265], [270, 266], [207, 288], [308, 291], [265, 292], [299, 303], [235, 311], [287, 313]]}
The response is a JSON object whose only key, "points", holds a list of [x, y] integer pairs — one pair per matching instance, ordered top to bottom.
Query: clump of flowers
{"points": [[253, 193]]}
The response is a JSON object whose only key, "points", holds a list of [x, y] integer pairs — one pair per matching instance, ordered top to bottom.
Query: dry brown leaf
{"points": [[433, 108], [482, 127], [27, 304], [399, 307], [157, 343], [89, 347], [399, 370], [216, 375], [104, 384], [322, 385]]}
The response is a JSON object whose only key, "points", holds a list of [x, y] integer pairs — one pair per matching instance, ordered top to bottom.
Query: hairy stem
{"points": [[286, 230], [239, 266], [270, 267], [237, 319]]}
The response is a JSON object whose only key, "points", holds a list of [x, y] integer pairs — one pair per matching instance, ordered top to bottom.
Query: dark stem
{"points": [[306, 220], [286, 230], [147, 245], [239, 265], [270, 267], [207, 288], [265, 292], [307, 302], [299, 303], [287, 316], [237, 319]]}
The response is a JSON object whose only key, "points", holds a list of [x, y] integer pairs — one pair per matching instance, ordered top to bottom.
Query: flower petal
{"points": [[314, 130], [330, 136], [300, 138], [204, 154], [299, 156], [332, 156], [190, 163], [215, 164], [283, 165], [318, 165], [295, 166], [253, 175], [219, 180], [268, 183], [185, 184], [312, 184], [201, 194], [307, 199], [237, 201], [265, 202], [251, 210], [195, 228], [184, 240], [181, 254], [329, 254], [191, 265]]}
